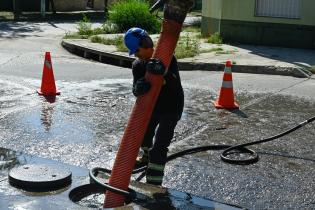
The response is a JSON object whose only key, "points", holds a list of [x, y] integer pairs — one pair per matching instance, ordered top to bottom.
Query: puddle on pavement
{"points": [[84, 125], [148, 197]]}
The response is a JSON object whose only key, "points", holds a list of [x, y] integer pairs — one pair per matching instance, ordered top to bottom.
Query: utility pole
{"points": [[43, 8], [106, 8], [16, 9]]}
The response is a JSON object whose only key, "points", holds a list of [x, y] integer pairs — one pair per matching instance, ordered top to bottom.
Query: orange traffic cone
{"points": [[48, 86], [226, 97]]}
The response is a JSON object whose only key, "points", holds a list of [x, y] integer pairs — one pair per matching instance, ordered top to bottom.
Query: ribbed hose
{"points": [[140, 117]]}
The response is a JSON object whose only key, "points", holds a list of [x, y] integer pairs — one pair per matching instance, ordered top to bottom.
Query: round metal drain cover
{"points": [[39, 178]]}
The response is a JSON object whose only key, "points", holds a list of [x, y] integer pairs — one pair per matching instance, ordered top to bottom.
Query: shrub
{"points": [[133, 13], [85, 26], [110, 28], [192, 29], [97, 31], [69, 35], [215, 38], [187, 46]]}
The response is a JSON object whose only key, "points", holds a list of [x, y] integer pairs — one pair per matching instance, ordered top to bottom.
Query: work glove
{"points": [[156, 67], [141, 87]]}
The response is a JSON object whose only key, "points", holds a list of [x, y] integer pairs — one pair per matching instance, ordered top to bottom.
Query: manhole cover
{"points": [[39, 178]]}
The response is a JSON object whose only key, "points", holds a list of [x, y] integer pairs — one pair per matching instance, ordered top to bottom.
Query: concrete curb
{"points": [[97, 55], [117, 59]]}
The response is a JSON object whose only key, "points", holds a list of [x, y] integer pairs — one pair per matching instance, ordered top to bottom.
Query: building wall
{"points": [[99, 4], [73, 5], [244, 10], [211, 16], [236, 22]]}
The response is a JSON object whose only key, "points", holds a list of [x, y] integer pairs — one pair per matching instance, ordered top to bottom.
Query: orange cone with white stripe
{"points": [[48, 86], [226, 97]]}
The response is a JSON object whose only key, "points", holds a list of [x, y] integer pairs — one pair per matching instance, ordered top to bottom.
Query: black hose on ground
{"points": [[228, 150], [253, 160]]}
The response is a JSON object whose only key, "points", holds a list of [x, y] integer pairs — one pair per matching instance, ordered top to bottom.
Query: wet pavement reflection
{"points": [[83, 127], [147, 197]]}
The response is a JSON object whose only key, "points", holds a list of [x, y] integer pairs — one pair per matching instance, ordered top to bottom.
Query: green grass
{"points": [[130, 13], [194, 13], [6, 16], [85, 28], [109, 28], [192, 29], [75, 36], [215, 39], [106, 41], [118, 41], [121, 47], [187, 47], [216, 49], [225, 52], [313, 69]]}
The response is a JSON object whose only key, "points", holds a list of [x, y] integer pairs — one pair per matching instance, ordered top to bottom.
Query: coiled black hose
{"points": [[240, 148]]}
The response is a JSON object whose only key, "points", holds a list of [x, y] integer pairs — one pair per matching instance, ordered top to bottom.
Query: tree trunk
{"points": [[53, 6], [106, 8], [16, 9]]}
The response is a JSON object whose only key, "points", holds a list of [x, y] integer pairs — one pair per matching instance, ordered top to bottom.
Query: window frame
{"points": [[282, 17]]}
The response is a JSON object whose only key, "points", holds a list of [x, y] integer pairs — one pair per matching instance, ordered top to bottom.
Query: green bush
{"points": [[133, 13], [85, 26], [109, 28], [192, 29], [97, 31], [69, 35], [215, 39], [187, 46]]}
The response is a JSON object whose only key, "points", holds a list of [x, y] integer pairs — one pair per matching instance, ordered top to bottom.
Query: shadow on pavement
{"points": [[17, 29], [289, 55], [239, 112]]}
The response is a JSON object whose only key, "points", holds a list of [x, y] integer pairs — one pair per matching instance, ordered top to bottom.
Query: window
{"points": [[278, 8]]}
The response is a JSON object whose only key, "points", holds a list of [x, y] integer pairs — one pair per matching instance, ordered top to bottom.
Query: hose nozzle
{"points": [[157, 5], [174, 9]]}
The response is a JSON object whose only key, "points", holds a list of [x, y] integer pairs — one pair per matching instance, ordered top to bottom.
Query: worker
{"points": [[168, 108]]}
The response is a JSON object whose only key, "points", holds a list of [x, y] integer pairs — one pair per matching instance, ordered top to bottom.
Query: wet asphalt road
{"points": [[83, 126]]}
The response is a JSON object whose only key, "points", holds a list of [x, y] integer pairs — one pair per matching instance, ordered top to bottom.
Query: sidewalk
{"points": [[59, 16], [246, 58]]}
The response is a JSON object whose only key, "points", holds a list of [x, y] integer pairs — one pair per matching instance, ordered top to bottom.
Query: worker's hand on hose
{"points": [[156, 67], [141, 87]]}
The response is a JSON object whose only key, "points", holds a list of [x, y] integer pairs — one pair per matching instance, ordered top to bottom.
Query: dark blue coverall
{"points": [[167, 112]]}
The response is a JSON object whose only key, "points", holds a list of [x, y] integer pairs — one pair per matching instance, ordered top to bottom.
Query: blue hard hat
{"points": [[133, 38]]}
